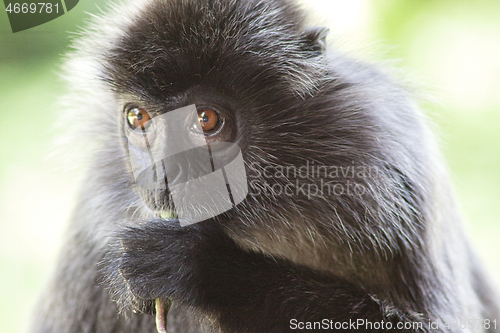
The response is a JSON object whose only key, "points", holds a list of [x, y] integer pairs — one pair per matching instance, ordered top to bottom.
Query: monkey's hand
{"points": [[159, 258], [201, 266]]}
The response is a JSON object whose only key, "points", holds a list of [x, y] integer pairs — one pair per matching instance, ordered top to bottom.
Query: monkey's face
{"points": [[185, 162]]}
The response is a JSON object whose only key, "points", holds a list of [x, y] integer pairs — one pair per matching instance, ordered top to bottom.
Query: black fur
{"points": [[394, 252], [249, 291]]}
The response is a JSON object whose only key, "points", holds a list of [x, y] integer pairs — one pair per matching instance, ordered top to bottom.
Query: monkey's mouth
{"points": [[158, 203], [166, 214], [162, 307]]}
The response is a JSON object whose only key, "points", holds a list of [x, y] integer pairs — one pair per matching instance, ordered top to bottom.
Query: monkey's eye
{"points": [[138, 118], [209, 120]]}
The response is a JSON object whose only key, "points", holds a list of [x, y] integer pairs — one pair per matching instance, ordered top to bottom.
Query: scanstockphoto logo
{"points": [[28, 14], [173, 158], [311, 180]]}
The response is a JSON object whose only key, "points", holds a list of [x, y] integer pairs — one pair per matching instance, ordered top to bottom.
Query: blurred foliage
{"points": [[451, 46], [34, 200]]}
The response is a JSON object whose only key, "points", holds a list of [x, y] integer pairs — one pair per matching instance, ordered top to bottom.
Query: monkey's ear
{"points": [[316, 38]]}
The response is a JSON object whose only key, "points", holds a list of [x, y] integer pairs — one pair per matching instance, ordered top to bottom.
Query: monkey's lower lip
{"points": [[166, 214], [162, 308]]}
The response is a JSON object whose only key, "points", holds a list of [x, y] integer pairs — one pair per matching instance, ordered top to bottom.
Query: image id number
{"points": [[25, 8]]}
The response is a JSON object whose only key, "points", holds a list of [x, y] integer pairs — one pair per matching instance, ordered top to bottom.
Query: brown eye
{"points": [[138, 118], [209, 120]]}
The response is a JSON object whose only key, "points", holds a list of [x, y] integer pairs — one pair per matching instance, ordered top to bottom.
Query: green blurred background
{"points": [[450, 50]]}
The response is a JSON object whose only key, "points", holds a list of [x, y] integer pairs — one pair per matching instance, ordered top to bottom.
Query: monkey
{"points": [[343, 218]]}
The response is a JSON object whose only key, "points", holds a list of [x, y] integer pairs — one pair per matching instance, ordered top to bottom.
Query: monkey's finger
{"points": [[162, 308]]}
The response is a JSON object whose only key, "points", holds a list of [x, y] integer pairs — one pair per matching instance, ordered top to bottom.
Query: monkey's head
{"points": [[202, 84]]}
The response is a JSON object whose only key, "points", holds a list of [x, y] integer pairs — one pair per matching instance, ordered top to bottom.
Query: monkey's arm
{"points": [[249, 292]]}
